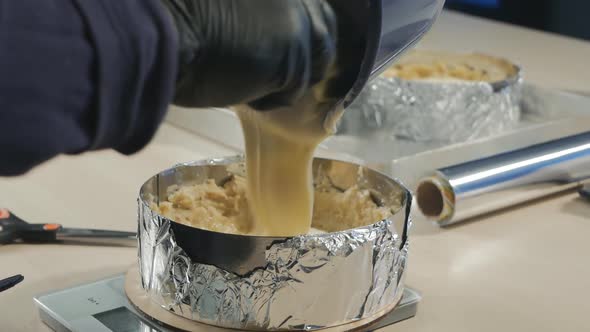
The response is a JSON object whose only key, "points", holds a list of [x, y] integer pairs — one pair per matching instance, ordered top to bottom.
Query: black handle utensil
{"points": [[14, 229]]}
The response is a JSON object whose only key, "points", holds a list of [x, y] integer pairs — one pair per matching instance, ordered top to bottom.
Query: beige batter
{"points": [[420, 64], [279, 151], [217, 208], [225, 208]]}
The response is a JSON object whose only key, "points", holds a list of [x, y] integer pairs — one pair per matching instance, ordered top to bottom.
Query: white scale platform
{"points": [[103, 306]]}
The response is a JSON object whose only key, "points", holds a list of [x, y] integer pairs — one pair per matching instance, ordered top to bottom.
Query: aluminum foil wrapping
{"points": [[449, 111], [463, 191], [304, 283]]}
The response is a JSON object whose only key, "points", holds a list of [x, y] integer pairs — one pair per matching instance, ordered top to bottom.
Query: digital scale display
{"points": [[102, 306], [122, 320]]}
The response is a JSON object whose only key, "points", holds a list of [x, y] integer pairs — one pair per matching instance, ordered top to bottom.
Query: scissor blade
{"points": [[97, 236]]}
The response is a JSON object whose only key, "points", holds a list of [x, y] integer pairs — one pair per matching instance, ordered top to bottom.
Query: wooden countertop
{"points": [[516, 270]]}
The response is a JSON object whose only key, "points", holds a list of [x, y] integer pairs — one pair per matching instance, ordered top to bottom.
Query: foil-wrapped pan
{"points": [[435, 110], [305, 282]]}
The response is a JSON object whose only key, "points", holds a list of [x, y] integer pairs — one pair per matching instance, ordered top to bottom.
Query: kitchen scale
{"points": [[103, 306]]}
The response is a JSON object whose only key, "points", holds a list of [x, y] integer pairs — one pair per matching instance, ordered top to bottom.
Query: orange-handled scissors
{"points": [[14, 229]]}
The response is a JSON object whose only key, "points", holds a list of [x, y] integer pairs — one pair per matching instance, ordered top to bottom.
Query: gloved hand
{"points": [[263, 52]]}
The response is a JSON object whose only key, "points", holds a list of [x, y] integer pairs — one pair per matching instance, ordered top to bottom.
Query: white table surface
{"points": [[520, 270]]}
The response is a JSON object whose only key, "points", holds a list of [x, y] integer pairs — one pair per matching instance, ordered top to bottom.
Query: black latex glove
{"points": [[263, 52]]}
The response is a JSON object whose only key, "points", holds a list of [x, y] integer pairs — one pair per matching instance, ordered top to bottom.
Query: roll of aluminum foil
{"points": [[428, 110], [463, 191], [259, 283]]}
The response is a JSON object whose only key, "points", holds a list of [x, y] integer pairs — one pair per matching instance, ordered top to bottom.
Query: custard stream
{"points": [[280, 145]]}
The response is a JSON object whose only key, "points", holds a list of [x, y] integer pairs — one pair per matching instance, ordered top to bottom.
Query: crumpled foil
{"points": [[449, 111], [309, 282]]}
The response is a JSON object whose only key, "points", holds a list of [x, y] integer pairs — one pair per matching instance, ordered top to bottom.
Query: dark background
{"points": [[566, 17]]}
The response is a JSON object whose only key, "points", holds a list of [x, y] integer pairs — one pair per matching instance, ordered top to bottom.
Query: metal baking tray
{"points": [[546, 115]]}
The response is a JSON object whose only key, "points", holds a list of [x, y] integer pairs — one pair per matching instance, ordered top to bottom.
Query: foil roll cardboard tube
{"points": [[435, 110], [467, 190], [246, 282]]}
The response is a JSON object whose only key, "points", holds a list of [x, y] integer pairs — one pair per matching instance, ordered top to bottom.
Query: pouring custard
{"points": [[280, 145], [277, 197]]}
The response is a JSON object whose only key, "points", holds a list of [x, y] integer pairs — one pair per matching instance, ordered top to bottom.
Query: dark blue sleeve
{"points": [[80, 75]]}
